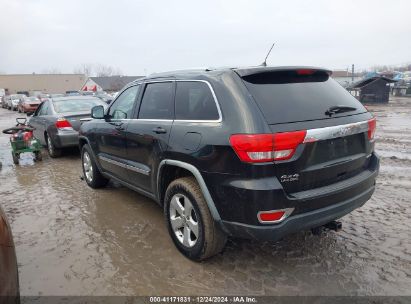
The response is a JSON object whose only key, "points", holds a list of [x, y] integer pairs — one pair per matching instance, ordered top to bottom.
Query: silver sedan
{"points": [[57, 121]]}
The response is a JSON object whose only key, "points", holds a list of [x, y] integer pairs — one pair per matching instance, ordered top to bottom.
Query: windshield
{"points": [[287, 96], [76, 105]]}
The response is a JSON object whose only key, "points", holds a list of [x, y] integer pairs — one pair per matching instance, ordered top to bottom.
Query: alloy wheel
{"points": [[88, 167], [184, 220]]}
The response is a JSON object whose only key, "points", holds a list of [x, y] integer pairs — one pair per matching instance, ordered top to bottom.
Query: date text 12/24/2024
{"points": [[204, 299]]}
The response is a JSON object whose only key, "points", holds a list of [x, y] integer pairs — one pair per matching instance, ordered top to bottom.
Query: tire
{"points": [[51, 148], [38, 156], [15, 158], [91, 173], [210, 240]]}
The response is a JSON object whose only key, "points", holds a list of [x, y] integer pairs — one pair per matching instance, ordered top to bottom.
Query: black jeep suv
{"points": [[256, 152]]}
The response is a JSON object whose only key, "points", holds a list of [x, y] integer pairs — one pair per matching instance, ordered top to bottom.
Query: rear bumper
{"points": [[29, 109], [64, 139], [238, 202], [298, 222]]}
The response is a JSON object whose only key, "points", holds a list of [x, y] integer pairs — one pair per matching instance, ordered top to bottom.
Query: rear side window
{"points": [[287, 96], [158, 101], [194, 101]]}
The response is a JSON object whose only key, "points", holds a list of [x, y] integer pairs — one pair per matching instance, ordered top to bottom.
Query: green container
{"points": [[18, 145]]}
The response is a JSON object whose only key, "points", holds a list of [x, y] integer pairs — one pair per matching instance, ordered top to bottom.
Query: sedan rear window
{"points": [[298, 95], [75, 105]]}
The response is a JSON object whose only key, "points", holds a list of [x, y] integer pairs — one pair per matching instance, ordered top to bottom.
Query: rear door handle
{"points": [[159, 130]]}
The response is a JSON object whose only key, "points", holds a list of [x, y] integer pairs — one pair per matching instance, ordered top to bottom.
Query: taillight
{"points": [[305, 72], [63, 124], [372, 125], [286, 143], [258, 148]]}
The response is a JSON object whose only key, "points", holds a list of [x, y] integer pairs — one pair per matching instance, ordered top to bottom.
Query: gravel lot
{"points": [[72, 240]]}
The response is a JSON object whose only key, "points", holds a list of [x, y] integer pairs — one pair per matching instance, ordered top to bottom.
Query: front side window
{"points": [[194, 101], [157, 102], [123, 105]]}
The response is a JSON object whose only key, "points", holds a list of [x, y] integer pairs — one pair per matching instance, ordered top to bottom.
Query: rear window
{"points": [[287, 96], [75, 105]]}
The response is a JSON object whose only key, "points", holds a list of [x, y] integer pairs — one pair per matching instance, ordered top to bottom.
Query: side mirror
{"points": [[97, 112]]}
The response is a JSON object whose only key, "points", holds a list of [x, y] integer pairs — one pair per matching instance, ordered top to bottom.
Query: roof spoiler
{"points": [[243, 72]]}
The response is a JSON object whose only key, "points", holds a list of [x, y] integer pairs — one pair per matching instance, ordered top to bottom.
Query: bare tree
{"points": [[398, 67], [85, 68], [52, 70], [98, 70], [106, 70]]}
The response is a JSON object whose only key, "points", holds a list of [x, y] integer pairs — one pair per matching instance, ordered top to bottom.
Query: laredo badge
{"points": [[289, 178]]}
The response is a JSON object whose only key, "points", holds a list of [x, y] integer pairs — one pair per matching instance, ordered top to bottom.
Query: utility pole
{"points": [[352, 73]]}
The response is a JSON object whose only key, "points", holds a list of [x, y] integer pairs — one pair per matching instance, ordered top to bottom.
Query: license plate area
{"points": [[332, 149]]}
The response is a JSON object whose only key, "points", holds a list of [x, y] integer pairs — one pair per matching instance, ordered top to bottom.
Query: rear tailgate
{"points": [[335, 147], [327, 155]]}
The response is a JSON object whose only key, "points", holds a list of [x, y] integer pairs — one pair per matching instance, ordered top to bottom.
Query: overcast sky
{"points": [[140, 37]]}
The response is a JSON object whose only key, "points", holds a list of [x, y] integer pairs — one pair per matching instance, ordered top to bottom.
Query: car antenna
{"points": [[265, 60]]}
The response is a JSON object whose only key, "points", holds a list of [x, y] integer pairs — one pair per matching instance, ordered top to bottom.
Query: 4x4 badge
{"points": [[289, 177]]}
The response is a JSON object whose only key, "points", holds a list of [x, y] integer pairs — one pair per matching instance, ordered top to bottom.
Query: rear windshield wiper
{"points": [[339, 109]]}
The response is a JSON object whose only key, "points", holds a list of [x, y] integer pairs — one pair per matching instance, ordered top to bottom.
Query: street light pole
{"points": [[352, 73]]}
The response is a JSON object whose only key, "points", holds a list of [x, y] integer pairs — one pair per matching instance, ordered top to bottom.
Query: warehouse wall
{"points": [[47, 83]]}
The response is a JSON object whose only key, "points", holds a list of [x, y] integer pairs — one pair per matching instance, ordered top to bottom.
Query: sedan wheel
{"points": [[50, 145], [53, 151], [183, 219]]}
